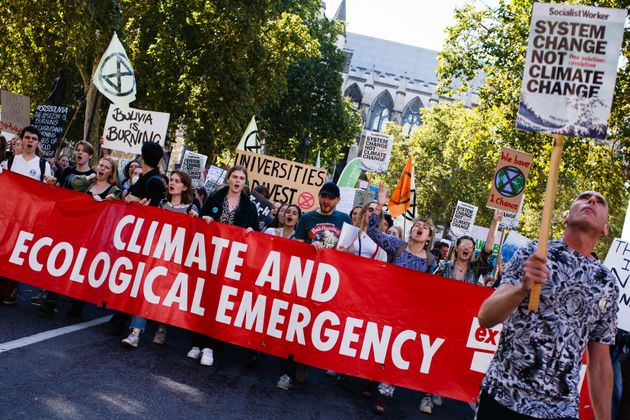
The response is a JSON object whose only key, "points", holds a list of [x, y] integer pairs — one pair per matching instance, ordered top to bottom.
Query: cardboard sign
{"points": [[570, 69], [15, 111], [50, 120], [127, 129], [376, 152], [194, 165], [214, 176], [288, 182], [508, 183], [463, 220], [618, 262]]}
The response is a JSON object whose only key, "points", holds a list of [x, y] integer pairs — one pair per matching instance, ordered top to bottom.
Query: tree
{"points": [[493, 42], [312, 106]]}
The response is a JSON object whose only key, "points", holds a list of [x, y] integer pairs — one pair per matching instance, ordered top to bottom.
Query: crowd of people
{"points": [[376, 238]]}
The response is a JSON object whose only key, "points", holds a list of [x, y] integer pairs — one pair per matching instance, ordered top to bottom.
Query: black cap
{"points": [[152, 153], [330, 189]]}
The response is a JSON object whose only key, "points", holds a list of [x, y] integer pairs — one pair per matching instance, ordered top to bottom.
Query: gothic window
{"points": [[354, 93], [381, 111], [411, 116]]}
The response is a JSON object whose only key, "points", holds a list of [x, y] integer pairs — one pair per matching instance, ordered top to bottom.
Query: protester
{"points": [[15, 147], [83, 152], [26, 163], [60, 164], [128, 176], [101, 185], [148, 190], [201, 194], [179, 198], [229, 205], [354, 214], [292, 215], [278, 221], [321, 228], [395, 231], [363, 245], [413, 254], [465, 266], [536, 369]]}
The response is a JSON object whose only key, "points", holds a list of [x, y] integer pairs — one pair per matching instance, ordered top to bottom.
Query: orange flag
{"points": [[401, 198]]}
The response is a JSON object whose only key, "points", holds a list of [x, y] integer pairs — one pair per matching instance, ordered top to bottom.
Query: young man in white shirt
{"points": [[28, 164]]}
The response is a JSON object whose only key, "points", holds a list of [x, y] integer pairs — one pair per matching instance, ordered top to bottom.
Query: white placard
{"points": [[570, 69], [127, 129], [376, 152], [194, 165], [463, 220], [618, 262]]}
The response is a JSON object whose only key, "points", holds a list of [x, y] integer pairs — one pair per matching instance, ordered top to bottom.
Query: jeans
{"points": [[138, 322]]}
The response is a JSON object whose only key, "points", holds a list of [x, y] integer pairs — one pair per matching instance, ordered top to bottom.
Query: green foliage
{"points": [[493, 42], [210, 64], [313, 105]]}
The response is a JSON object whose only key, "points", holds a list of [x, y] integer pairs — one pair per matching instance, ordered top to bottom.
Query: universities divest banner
{"points": [[329, 309]]}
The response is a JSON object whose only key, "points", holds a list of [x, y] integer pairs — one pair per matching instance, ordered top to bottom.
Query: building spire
{"points": [[341, 12]]}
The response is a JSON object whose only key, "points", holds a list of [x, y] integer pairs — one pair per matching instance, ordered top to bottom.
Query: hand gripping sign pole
{"points": [[545, 224]]}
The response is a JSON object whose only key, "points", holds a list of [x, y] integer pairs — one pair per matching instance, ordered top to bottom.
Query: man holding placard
{"points": [[536, 369]]}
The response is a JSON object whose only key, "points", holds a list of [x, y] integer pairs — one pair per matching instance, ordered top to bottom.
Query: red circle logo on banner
{"points": [[306, 200]]}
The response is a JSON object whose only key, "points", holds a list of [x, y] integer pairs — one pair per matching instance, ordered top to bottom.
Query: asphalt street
{"points": [[88, 374]]}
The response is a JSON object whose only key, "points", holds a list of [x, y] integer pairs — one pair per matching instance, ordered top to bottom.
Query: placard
{"points": [[570, 69], [15, 111], [51, 121], [127, 129], [376, 151], [194, 165], [215, 176], [288, 182], [508, 182], [463, 220], [618, 262]]}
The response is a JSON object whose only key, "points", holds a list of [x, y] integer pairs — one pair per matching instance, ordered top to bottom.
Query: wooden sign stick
{"points": [[545, 224]]}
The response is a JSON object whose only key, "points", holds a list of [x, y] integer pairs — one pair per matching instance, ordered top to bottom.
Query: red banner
{"points": [[329, 309]]}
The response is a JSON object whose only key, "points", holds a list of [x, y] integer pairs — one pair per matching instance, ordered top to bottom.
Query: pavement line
{"points": [[46, 335]]}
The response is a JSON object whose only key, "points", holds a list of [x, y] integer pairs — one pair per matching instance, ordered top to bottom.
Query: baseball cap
{"points": [[330, 189]]}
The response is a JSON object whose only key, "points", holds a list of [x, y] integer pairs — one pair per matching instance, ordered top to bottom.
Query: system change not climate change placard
{"points": [[570, 69]]}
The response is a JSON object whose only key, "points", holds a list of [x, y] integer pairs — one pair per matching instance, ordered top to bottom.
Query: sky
{"points": [[414, 22]]}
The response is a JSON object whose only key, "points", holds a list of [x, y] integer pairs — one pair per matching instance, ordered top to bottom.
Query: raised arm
{"points": [[389, 243]]}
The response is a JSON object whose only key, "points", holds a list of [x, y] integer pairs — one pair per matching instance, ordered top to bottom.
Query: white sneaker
{"points": [[132, 340], [194, 353], [207, 358], [332, 374], [284, 382], [437, 401], [426, 405]]}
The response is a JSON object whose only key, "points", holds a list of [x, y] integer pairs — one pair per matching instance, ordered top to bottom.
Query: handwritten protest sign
{"points": [[570, 69], [15, 113], [50, 120], [127, 129], [376, 151], [194, 165], [510, 177], [288, 182], [463, 220], [618, 262]]}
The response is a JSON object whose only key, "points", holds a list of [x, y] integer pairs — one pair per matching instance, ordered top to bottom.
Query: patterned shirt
{"points": [[227, 215], [536, 368]]}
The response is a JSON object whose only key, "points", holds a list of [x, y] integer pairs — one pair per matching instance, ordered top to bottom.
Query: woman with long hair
{"points": [[101, 185], [179, 198], [232, 206], [292, 215], [413, 254], [464, 266]]}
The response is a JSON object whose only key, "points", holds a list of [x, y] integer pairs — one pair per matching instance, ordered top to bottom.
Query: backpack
{"points": [[42, 166], [402, 248]]}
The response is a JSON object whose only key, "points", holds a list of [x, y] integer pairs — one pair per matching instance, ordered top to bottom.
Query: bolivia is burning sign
{"points": [[570, 69], [509, 180]]}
